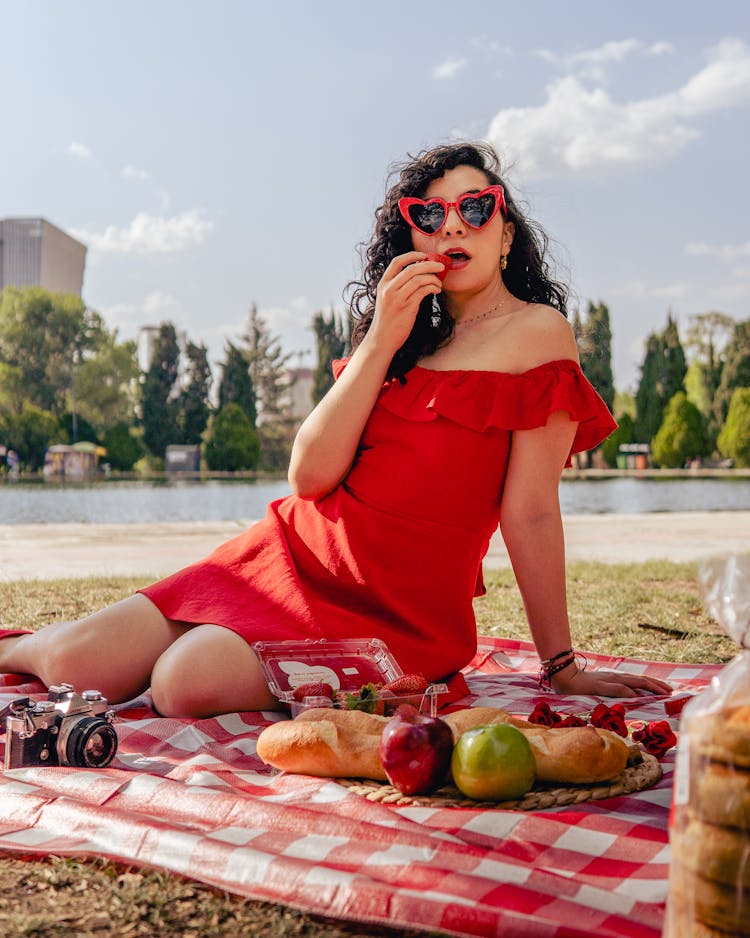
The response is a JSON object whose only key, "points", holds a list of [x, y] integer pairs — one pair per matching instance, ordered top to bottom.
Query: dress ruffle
{"points": [[484, 400]]}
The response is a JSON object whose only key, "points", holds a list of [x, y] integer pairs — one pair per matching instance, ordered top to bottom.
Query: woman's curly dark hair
{"points": [[527, 275]]}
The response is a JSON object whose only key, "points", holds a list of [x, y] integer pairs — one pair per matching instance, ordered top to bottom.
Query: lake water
{"points": [[128, 502]]}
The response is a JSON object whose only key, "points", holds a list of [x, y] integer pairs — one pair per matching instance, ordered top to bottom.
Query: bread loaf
{"points": [[724, 736], [326, 742], [345, 744], [574, 755], [722, 795], [716, 853], [702, 900]]}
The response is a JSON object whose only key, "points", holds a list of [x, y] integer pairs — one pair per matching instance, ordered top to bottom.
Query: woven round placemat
{"points": [[634, 778]]}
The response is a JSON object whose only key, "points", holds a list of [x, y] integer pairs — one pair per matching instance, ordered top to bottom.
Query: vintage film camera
{"points": [[65, 729]]}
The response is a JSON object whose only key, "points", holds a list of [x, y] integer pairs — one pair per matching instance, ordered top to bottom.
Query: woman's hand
{"points": [[407, 280], [573, 680]]}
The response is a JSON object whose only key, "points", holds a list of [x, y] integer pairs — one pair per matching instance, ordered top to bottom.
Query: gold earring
{"points": [[503, 262]]}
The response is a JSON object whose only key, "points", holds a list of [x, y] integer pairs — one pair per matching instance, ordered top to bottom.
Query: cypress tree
{"points": [[331, 344], [595, 345], [735, 372], [662, 376], [270, 377], [236, 386], [159, 409], [194, 409]]}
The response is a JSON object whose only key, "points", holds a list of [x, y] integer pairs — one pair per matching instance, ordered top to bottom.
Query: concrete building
{"points": [[34, 253], [300, 392]]}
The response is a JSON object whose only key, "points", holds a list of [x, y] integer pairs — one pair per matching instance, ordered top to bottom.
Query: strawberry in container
{"points": [[350, 674]]}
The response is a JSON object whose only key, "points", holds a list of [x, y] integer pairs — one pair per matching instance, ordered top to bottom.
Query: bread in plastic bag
{"points": [[709, 880]]}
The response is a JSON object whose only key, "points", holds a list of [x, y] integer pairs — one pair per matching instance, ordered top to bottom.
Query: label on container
{"points": [[300, 673], [682, 772]]}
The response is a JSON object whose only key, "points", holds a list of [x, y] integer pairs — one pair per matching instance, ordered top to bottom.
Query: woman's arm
{"points": [[327, 441], [532, 528]]}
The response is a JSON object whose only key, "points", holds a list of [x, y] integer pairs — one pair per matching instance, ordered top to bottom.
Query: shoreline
{"points": [[570, 473], [154, 550]]}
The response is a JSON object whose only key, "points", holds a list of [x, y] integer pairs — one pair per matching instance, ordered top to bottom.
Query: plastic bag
{"points": [[709, 882]]}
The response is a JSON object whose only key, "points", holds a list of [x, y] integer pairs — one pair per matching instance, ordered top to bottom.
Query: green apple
{"points": [[493, 763]]}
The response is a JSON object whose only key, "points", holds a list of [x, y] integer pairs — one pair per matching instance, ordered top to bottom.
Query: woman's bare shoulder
{"points": [[541, 334]]}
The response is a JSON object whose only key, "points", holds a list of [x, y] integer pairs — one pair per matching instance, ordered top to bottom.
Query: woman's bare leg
{"points": [[113, 650], [207, 671]]}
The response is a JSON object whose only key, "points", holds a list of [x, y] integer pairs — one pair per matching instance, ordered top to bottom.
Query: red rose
{"points": [[675, 705], [544, 715], [609, 718], [572, 720], [656, 737]]}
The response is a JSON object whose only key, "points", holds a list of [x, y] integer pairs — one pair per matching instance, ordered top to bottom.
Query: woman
{"points": [[458, 409]]}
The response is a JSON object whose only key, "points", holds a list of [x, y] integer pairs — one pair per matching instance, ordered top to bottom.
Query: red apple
{"points": [[441, 259], [416, 751]]}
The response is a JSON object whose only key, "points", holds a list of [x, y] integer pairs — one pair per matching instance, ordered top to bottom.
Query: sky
{"points": [[217, 155]]}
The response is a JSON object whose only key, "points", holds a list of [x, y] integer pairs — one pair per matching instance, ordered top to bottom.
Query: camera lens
{"points": [[91, 742]]}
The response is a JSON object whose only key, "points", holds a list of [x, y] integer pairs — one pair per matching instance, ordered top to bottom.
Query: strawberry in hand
{"points": [[441, 259]]}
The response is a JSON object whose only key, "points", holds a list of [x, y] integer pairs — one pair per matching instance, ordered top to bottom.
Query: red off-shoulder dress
{"points": [[395, 551]]}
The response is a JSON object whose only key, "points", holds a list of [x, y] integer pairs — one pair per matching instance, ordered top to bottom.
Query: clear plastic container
{"points": [[347, 666], [709, 880]]}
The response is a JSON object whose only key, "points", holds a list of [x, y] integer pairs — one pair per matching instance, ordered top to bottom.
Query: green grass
{"points": [[651, 610]]}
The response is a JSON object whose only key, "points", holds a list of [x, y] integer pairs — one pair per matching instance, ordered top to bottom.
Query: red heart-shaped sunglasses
{"points": [[477, 209]]}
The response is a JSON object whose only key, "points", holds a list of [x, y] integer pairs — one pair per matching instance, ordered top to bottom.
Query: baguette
{"points": [[327, 743], [334, 743], [574, 755]]}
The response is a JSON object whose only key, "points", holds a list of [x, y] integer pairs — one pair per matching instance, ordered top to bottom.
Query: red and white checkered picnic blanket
{"points": [[192, 796]]}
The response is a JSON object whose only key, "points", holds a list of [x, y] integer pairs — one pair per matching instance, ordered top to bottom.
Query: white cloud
{"points": [[490, 45], [615, 50], [449, 68], [723, 83], [582, 129], [79, 150], [132, 172], [150, 234], [724, 252], [643, 290], [158, 302]]}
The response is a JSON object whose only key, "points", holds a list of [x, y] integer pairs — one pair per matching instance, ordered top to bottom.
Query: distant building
{"points": [[34, 253], [300, 392]]}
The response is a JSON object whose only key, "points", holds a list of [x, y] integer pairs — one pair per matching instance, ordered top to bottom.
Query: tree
{"points": [[43, 337], [594, 339], [332, 340], [706, 340], [735, 372], [662, 376], [270, 378], [106, 384], [236, 385], [193, 406], [159, 408], [77, 429], [30, 433], [622, 435], [682, 435], [734, 439], [233, 443], [123, 448]]}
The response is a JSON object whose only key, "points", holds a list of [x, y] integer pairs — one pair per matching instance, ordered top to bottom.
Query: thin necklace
{"points": [[493, 309]]}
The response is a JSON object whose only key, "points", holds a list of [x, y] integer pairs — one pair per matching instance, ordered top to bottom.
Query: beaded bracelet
{"points": [[546, 662], [547, 669]]}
